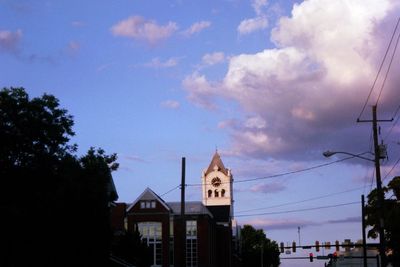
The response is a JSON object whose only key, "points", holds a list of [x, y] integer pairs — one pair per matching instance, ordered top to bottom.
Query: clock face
{"points": [[216, 182]]}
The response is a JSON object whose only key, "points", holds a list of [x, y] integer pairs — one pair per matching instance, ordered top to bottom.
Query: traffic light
{"points": [[328, 245], [337, 245], [317, 246], [282, 247], [294, 247], [335, 256], [311, 257]]}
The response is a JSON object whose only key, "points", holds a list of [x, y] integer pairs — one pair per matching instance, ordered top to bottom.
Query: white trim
{"points": [[156, 197]]}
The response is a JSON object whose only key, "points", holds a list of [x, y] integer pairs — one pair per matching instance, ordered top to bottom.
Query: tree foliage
{"points": [[54, 204], [391, 207], [255, 245], [130, 247]]}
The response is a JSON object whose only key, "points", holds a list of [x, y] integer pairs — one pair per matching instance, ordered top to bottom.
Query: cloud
{"points": [[259, 5], [77, 23], [248, 26], [197, 27], [139, 28], [9, 41], [73, 47], [213, 58], [157, 63], [310, 87], [200, 91], [171, 104], [134, 158], [268, 188], [356, 219], [278, 224]]}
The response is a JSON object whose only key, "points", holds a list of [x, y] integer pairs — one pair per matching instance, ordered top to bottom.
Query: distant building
{"points": [[208, 225]]}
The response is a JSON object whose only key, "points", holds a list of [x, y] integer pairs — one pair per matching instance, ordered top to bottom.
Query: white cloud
{"points": [[258, 6], [248, 26], [197, 27], [139, 28], [9, 40], [213, 58], [157, 63], [310, 88], [200, 91], [171, 104], [268, 188]]}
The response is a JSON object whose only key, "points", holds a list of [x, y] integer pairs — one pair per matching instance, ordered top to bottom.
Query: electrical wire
{"points": [[380, 68], [388, 69], [394, 124], [285, 173], [387, 174], [169, 191], [301, 201], [299, 210]]}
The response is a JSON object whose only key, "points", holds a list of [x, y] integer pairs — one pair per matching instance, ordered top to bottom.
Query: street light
{"points": [[380, 151], [328, 153]]}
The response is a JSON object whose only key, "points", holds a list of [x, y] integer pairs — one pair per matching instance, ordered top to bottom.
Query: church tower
{"points": [[217, 187]]}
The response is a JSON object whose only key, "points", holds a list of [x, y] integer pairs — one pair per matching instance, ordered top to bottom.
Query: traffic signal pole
{"points": [[364, 239]]}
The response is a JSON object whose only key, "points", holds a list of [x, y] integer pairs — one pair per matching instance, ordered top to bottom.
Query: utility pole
{"points": [[381, 197], [183, 221], [298, 231], [364, 244]]}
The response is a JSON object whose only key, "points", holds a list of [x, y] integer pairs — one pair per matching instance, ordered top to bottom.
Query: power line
{"points": [[380, 68], [388, 69], [394, 124], [285, 173], [387, 174], [169, 191], [301, 201], [299, 210]]}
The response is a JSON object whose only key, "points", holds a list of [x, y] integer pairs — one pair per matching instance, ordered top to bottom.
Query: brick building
{"points": [[203, 238]]}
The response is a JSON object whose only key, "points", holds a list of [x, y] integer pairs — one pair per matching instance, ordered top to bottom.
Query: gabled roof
{"points": [[216, 162], [149, 194]]}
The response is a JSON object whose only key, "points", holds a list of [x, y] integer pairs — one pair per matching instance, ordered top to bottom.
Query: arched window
{"points": [[209, 193], [216, 193], [223, 193]]}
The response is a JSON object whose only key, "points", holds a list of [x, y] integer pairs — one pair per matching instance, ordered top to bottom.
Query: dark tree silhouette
{"points": [[54, 205], [391, 208], [255, 244], [130, 247]]}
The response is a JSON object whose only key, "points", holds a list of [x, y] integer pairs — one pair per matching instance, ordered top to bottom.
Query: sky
{"points": [[269, 84]]}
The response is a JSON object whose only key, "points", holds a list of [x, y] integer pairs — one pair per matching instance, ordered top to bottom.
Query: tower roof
{"points": [[216, 162]]}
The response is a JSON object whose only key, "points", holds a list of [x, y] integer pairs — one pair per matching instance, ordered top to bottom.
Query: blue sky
{"points": [[271, 84]]}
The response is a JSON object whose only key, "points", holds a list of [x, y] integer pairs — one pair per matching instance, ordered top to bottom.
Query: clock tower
{"points": [[217, 185]]}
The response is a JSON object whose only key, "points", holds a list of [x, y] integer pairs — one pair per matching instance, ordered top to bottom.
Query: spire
{"points": [[216, 164]]}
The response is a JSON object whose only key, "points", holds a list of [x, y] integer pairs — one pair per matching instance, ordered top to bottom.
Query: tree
{"points": [[54, 204], [391, 207], [255, 245], [130, 247]]}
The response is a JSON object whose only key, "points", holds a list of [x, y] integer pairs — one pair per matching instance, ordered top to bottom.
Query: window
{"points": [[209, 193], [216, 193], [223, 193], [148, 204], [151, 233], [191, 243]]}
